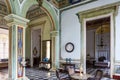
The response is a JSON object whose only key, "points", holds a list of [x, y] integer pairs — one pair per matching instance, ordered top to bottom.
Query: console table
{"points": [[4, 64], [44, 65], [66, 65]]}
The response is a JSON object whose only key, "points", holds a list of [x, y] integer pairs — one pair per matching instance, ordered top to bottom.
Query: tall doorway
{"points": [[40, 28], [35, 46], [98, 46], [4, 53]]}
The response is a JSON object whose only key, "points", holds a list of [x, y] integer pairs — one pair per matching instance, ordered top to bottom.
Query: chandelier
{"points": [[101, 38]]}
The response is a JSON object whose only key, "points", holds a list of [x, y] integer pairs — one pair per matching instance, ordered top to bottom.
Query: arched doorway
{"points": [[19, 10], [40, 28]]}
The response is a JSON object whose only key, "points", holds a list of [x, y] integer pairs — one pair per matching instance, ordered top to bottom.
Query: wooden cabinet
{"points": [[4, 64], [44, 65], [66, 65]]}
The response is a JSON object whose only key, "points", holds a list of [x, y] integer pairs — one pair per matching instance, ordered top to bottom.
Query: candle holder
{"points": [[81, 70]]}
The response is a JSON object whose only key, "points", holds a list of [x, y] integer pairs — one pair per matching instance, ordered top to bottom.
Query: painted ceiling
{"points": [[66, 3], [3, 8], [34, 11]]}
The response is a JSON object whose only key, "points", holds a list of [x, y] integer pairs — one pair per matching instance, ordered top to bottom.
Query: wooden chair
{"points": [[71, 71], [98, 75], [62, 76]]}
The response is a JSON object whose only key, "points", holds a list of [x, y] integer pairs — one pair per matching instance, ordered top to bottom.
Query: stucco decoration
{"points": [[3, 9], [35, 13], [3, 21]]}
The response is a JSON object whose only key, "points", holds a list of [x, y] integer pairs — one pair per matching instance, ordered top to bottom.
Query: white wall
{"points": [[71, 29], [70, 32], [117, 37], [36, 41], [90, 43]]}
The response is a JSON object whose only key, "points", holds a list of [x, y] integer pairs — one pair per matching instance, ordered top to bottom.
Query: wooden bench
{"points": [[4, 64], [102, 64]]}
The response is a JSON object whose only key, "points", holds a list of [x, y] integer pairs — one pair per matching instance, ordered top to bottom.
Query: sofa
{"points": [[102, 62]]}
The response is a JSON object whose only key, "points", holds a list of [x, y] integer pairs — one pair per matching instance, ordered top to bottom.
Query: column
{"points": [[17, 26], [55, 49]]}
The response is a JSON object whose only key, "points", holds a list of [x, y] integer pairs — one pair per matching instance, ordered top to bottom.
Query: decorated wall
{"points": [[71, 28]]}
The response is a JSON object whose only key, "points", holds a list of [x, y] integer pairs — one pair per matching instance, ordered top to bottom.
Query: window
{"points": [[4, 44], [48, 49]]}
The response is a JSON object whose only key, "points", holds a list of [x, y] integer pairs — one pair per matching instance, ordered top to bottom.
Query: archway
{"points": [[47, 26]]}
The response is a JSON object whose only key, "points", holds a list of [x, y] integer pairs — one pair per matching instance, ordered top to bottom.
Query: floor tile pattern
{"points": [[3, 74], [35, 74]]}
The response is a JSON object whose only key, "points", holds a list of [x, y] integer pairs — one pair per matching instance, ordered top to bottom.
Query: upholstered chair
{"points": [[98, 75], [62, 76]]}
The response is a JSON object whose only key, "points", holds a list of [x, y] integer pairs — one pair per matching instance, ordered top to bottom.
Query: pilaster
{"points": [[17, 26], [55, 50]]}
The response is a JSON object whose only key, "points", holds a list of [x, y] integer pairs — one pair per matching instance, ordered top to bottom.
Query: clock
{"points": [[69, 47]]}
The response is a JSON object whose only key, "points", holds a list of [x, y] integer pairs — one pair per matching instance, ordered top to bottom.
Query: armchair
{"points": [[98, 75], [62, 77]]}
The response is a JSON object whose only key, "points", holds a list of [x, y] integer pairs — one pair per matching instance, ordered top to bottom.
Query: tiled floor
{"points": [[3, 74], [34, 74]]}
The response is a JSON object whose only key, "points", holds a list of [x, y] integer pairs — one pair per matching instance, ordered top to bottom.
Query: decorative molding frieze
{"points": [[66, 3], [3, 9], [96, 12], [35, 14], [15, 19], [3, 21], [36, 24], [54, 33]]}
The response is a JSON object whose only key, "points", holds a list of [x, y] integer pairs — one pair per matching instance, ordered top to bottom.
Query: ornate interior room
{"points": [[47, 39]]}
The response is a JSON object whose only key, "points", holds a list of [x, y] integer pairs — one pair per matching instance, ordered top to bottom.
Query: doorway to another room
{"points": [[36, 46], [98, 46], [40, 50], [4, 53]]}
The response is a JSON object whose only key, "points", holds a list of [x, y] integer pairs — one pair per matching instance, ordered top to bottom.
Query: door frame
{"points": [[35, 28], [112, 40]]}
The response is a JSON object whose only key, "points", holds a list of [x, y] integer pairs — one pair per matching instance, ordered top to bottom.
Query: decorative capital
{"points": [[15, 19], [54, 33]]}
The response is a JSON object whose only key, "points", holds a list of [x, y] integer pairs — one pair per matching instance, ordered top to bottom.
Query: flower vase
{"points": [[67, 60], [70, 60], [81, 71]]}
